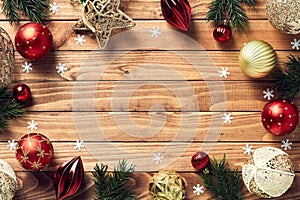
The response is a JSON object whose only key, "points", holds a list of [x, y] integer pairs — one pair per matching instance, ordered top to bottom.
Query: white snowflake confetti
{"points": [[54, 7], [155, 32], [80, 39], [295, 44], [26, 67], [61, 68], [224, 73], [268, 94], [227, 118], [32, 125], [286, 144], [12, 145], [78, 145], [248, 149], [158, 158], [198, 189]]}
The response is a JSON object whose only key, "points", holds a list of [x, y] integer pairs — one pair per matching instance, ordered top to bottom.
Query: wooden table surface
{"points": [[64, 121]]}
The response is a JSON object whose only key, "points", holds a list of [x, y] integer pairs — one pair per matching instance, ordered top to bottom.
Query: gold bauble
{"points": [[284, 15], [6, 58], [257, 59], [8, 181], [167, 185]]}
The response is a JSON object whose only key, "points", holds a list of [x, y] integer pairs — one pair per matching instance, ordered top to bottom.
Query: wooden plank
{"points": [[141, 9], [140, 37], [127, 63], [246, 126], [39, 185]]}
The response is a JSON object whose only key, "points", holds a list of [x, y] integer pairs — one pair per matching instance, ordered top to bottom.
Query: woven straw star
{"points": [[101, 17]]}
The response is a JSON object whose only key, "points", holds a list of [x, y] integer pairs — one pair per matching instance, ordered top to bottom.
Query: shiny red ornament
{"points": [[177, 13], [222, 33], [33, 40], [22, 93], [280, 117], [34, 151], [200, 160], [68, 178]]}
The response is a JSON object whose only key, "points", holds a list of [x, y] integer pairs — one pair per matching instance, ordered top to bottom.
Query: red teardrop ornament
{"points": [[177, 13], [222, 33], [200, 160], [68, 178]]}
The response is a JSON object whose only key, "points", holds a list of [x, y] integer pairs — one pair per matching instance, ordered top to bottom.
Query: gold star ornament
{"points": [[101, 17]]}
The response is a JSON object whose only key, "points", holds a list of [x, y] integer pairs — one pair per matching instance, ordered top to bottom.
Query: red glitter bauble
{"points": [[222, 33], [33, 40], [21, 92], [280, 117], [34, 151], [200, 160]]}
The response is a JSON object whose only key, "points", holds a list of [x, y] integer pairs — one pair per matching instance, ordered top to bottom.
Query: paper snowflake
{"points": [[54, 8], [155, 32], [80, 39], [295, 44], [26, 67], [61, 68], [224, 73], [268, 94], [227, 118], [32, 125], [286, 144], [12, 145], [78, 145], [248, 149], [158, 158], [198, 189]]}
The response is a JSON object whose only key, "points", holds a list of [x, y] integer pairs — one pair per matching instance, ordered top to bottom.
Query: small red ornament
{"points": [[177, 13], [222, 33], [33, 40], [22, 93], [280, 117], [34, 151], [200, 160], [68, 178]]}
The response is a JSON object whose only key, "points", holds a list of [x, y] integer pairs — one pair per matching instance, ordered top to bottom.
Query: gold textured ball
{"points": [[284, 15], [257, 58], [8, 181], [167, 185]]}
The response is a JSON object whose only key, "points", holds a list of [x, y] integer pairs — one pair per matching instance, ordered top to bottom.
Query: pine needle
{"points": [[111, 186]]}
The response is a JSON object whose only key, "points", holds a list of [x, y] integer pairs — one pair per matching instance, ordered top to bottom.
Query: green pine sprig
{"points": [[82, 1], [218, 9], [35, 10], [287, 83], [9, 108], [222, 182], [112, 186]]}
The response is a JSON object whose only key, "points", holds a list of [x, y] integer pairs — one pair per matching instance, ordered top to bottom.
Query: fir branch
{"points": [[82, 1], [35, 10], [287, 83], [9, 108], [221, 181], [111, 186]]}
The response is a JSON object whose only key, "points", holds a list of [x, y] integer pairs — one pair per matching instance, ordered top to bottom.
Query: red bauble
{"points": [[177, 13], [222, 33], [33, 40], [22, 93], [280, 117], [34, 151], [200, 160]]}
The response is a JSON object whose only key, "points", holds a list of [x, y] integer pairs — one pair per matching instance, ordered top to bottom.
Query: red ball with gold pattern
{"points": [[33, 40], [280, 117], [34, 151]]}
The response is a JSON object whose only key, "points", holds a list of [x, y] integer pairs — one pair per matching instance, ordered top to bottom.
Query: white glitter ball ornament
{"points": [[284, 15], [268, 173], [8, 181]]}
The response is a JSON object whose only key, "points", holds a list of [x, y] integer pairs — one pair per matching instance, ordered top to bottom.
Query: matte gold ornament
{"points": [[284, 15], [101, 17], [6, 58], [257, 59], [269, 173], [8, 181]]}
